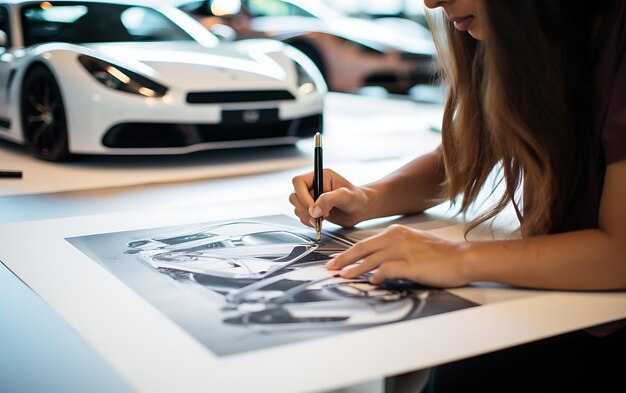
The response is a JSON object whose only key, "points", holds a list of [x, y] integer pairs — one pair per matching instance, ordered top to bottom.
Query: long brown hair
{"points": [[521, 101]]}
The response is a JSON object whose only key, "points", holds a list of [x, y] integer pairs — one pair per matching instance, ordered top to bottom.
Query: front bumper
{"points": [[233, 133]]}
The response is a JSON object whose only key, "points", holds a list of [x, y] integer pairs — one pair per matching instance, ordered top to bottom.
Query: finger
{"points": [[333, 180], [302, 186], [338, 198], [293, 199], [298, 206], [300, 211], [303, 217], [390, 238], [359, 251], [371, 262], [390, 270]]}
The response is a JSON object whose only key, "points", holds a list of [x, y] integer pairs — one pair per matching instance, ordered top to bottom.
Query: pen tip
{"points": [[318, 140]]}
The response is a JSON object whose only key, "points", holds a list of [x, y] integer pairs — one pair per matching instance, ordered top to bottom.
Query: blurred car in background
{"points": [[398, 11], [351, 53], [127, 78]]}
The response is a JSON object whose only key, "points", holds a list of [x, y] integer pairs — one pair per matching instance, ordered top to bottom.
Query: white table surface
{"points": [[51, 341], [154, 355]]}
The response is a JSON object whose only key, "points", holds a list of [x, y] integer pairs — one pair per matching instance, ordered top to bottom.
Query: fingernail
{"points": [[316, 212], [330, 264]]}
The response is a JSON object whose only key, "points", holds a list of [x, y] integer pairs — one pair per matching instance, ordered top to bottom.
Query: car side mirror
{"points": [[224, 32], [4, 39]]}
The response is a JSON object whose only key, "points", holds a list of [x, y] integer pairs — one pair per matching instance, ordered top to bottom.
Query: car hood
{"points": [[381, 36], [191, 66]]}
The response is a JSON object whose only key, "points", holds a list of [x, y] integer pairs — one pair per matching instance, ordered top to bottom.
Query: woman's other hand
{"points": [[401, 252]]}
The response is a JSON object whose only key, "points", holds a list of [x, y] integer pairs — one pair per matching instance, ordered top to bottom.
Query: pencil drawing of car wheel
{"points": [[43, 115]]}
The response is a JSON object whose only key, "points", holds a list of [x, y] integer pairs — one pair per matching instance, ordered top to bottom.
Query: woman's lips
{"points": [[463, 24]]}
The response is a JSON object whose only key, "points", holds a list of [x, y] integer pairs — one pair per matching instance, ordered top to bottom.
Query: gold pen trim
{"points": [[318, 228]]}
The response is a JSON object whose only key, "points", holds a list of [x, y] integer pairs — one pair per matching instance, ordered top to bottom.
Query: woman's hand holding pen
{"points": [[341, 203], [398, 252], [401, 252]]}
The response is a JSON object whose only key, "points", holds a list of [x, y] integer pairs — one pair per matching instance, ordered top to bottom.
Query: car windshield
{"points": [[292, 8], [96, 22]]}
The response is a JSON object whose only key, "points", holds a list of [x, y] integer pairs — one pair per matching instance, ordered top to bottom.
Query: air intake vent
{"points": [[214, 97]]}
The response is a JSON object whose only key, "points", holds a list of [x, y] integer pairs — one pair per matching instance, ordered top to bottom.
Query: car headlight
{"points": [[121, 79], [306, 84]]}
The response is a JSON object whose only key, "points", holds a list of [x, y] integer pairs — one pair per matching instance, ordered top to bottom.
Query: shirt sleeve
{"points": [[614, 131]]}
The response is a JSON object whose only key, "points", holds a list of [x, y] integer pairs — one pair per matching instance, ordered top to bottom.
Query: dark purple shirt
{"points": [[610, 87], [610, 107], [606, 143]]}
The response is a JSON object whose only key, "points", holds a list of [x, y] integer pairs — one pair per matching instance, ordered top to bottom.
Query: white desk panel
{"points": [[153, 354]]}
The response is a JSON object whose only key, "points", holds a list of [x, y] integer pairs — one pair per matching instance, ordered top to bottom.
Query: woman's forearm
{"points": [[410, 189], [593, 259], [581, 260]]}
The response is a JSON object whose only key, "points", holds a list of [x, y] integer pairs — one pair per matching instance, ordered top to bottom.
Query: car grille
{"points": [[214, 97], [160, 135]]}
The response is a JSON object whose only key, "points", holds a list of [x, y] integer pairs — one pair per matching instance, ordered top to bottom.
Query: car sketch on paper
{"points": [[255, 283]]}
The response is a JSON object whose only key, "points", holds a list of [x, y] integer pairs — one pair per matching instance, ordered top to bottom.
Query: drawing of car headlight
{"points": [[121, 79]]}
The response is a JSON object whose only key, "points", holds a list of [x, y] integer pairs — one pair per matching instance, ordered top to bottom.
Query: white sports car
{"points": [[124, 77]]}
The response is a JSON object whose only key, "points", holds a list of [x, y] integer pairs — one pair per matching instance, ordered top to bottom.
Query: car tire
{"points": [[43, 118]]}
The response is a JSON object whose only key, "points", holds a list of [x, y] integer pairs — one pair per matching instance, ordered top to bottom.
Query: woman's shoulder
{"points": [[610, 41], [610, 83]]}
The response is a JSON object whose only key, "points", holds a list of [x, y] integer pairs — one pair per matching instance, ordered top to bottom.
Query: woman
{"points": [[538, 88]]}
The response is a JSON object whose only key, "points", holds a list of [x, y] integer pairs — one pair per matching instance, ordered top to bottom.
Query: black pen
{"points": [[10, 174], [318, 180]]}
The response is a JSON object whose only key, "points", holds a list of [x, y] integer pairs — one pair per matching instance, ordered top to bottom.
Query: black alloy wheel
{"points": [[43, 116]]}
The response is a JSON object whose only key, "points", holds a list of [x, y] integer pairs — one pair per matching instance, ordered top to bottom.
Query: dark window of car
{"points": [[275, 8], [96, 22], [4, 23], [147, 24]]}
